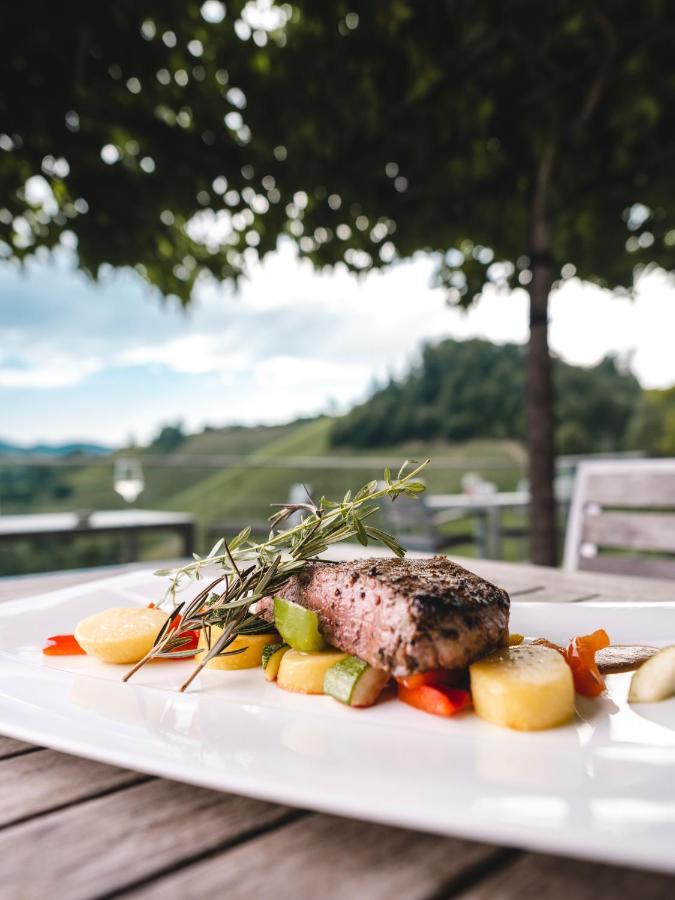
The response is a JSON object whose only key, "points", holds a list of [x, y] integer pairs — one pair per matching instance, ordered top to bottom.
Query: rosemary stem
{"points": [[264, 570]]}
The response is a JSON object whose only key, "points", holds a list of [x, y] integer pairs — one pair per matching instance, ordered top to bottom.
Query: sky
{"points": [[110, 361]]}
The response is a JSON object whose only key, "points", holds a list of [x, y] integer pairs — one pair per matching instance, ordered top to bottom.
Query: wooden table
{"points": [[487, 510], [125, 521], [71, 828]]}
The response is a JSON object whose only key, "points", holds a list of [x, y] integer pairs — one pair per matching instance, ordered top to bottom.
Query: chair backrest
{"points": [[621, 509]]}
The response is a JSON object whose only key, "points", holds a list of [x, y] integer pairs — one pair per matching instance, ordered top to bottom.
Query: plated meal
{"points": [[427, 631]]}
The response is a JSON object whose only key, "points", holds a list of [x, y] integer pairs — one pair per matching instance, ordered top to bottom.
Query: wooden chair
{"points": [[622, 518]]}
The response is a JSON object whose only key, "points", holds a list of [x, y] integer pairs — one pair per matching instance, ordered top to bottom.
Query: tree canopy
{"points": [[363, 131], [520, 143], [462, 390], [652, 428]]}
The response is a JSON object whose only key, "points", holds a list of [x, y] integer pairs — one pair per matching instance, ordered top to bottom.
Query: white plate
{"points": [[602, 787]]}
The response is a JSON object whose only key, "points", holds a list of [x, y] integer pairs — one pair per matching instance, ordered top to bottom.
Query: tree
{"points": [[520, 143], [462, 390], [652, 427], [170, 438]]}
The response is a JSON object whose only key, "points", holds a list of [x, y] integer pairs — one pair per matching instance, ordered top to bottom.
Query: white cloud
{"points": [[587, 323], [46, 373]]}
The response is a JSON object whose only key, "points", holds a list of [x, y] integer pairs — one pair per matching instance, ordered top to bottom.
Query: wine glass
{"points": [[128, 479]]}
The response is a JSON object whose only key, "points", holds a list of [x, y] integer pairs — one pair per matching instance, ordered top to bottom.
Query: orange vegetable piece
{"points": [[191, 634], [62, 645], [580, 657], [433, 676], [438, 700]]}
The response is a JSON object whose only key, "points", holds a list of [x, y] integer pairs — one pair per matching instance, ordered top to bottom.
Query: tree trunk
{"points": [[539, 400]]}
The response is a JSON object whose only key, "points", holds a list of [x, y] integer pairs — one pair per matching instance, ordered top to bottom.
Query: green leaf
{"points": [[407, 464], [415, 487], [361, 533], [240, 538], [387, 539], [216, 547]]}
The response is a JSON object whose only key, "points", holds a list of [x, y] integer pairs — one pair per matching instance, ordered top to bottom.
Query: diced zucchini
{"points": [[299, 627], [249, 658], [271, 659], [304, 672], [354, 682]]}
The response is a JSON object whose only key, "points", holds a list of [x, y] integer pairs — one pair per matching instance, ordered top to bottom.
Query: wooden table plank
{"points": [[560, 584], [10, 747], [35, 783], [111, 842], [332, 858], [553, 878]]}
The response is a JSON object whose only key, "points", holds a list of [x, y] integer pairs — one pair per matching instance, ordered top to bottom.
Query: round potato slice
{"points": [[120, 634], [250, 645], [526, 687]]}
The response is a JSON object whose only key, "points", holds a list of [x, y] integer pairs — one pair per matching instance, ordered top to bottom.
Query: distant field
{"points": [[244, 494]]}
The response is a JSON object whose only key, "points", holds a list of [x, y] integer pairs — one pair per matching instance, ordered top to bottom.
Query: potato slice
{"points": [[120, 634], [250, 658], [304, 672], [655, 679], [526, 687]]}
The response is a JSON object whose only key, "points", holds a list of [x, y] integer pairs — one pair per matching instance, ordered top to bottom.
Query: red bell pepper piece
{"points": [[191, 634], [62, 645], [580, 657], [433, 677], [437, 699]]}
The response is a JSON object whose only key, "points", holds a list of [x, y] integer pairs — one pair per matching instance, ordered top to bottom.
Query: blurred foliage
{"points": [[363, 131], [474, 389], [652, 427], [170, 438], [20, 485], [24, 557]]}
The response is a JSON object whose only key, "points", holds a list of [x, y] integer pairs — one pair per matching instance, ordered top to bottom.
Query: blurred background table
{"points": [[487, 508], [128, 521], [108, 832]]}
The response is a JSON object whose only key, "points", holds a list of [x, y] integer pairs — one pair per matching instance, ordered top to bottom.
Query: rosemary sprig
{"points": [[251, 571]]}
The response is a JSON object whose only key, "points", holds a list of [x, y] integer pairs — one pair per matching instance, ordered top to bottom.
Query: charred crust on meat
{"points": [[403, 616]]}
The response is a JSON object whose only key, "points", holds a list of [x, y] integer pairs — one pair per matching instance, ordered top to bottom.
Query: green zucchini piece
{"points": [[298, 626], [271, 659], [354, 682]]}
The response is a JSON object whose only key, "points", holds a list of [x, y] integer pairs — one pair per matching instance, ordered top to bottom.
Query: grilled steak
{"points": [[401, 615]]}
